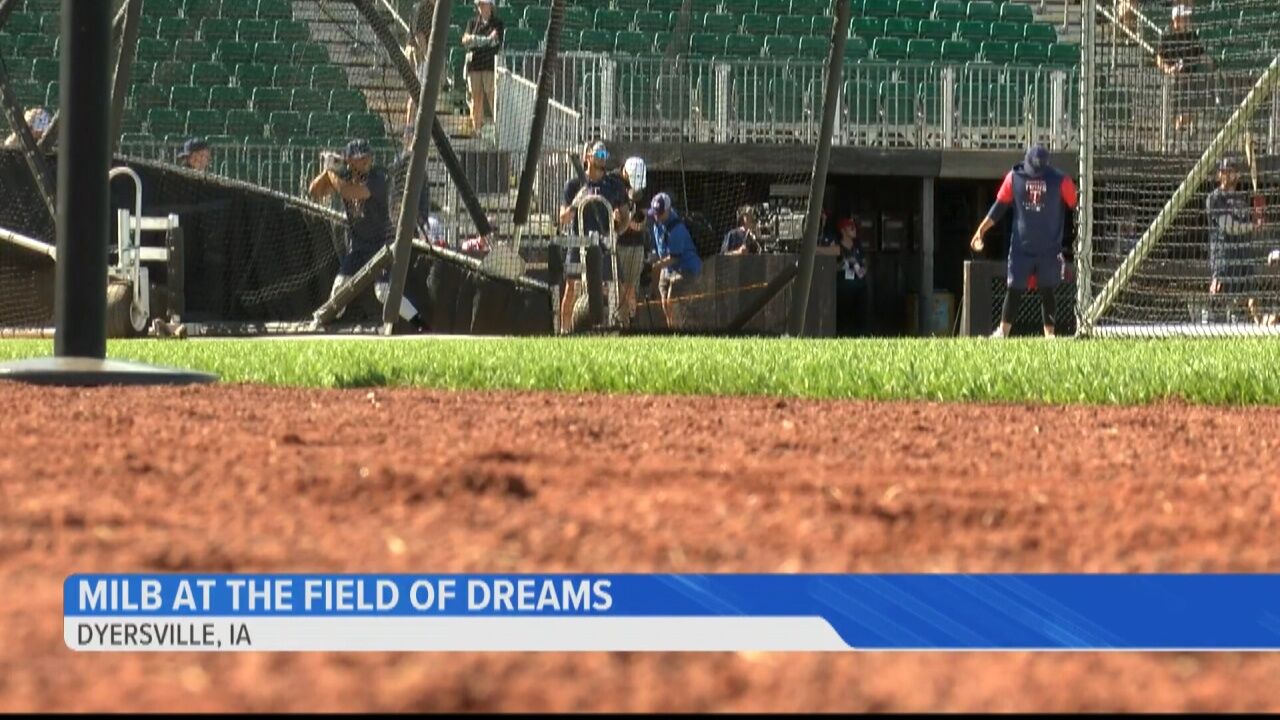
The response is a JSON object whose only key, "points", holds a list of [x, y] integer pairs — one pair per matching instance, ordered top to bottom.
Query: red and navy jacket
{"points": [[1039, 205]]}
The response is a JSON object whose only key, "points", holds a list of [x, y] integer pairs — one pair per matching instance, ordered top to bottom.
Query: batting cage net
{"points": [[1178, 231]]}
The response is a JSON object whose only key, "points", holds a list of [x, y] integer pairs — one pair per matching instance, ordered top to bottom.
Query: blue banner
{"points": [[871, 612]]}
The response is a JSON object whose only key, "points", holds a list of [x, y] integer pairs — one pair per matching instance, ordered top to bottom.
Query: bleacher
{"points": [[239, 72]]}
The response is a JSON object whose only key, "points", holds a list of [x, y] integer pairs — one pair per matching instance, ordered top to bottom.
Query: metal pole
{"points": [[436, 44], [550, 54], [123, 69], [821, 160], [1084, 218], [83, 219], [925, 310]]}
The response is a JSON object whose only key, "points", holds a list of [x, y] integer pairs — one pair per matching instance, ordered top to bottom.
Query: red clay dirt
{"points": [[237, 478]]}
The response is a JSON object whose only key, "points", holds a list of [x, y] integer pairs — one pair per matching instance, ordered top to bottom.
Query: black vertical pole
{"points": [[550, 55], [821, 160], [83, 162]]}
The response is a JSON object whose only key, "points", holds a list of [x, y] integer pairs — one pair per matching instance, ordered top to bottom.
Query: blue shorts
{"points": [[1046, 269]]}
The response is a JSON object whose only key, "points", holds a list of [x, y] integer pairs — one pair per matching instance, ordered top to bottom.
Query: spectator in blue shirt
{"points": [[677, 258]]}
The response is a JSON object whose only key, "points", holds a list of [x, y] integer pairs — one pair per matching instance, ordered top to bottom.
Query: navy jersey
{"points": [[1039, 204], [595, 217], [370, 219], [1230, 221]]}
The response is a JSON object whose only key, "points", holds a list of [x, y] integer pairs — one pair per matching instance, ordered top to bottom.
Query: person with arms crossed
{"points": [[483, 40], [364, 189], [1039, 196], [594, 217], [631, 238], [677, 258]]}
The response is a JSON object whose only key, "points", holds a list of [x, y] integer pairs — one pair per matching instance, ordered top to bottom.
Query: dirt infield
{"points": [[256, 479]]}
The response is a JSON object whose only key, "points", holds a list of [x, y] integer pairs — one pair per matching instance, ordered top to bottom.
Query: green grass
{"points": [[1227, 372]]}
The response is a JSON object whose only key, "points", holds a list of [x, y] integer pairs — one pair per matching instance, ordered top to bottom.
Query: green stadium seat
{"points": [[632, 5], [667, 6], [704, 6], [44, 7], [739, 7], [770, 7], [809, 7], [161, 8], [880, 8], [192, 9], [239, 9], [275, 9], [918, 9], [953, 10], [982, 10], [1017, 12], [577, 17], [537, 18], [614, 20], [652, 21], [693, 21], [722, 23], [23, 24], [758, 24], [51, 25], [794, 25], [823, 25], [148, 27], [865, 27], [175, 28], [901, 28], [937, 29], [215, 30], [973, 30], [255, 31], [291, 31], [1006, 31], [1041, 33], [520, 39], [598, 41], [661, 41], [632, 43], [707, 44], [35, 45], [742, 46], [782, 47], [814, 47], [856, 48], [889, 48], [155, 50], [924, 50], [192, 51], [959, 51], [234, 52], [997, 52], [272, 53], [310, 53], [1030, 53], [1064, 54], [20, 68], [42, 70], [143, 72], [209, 74], [252, 75], [291, 76], [328, 77], [29, 92], [635, 93], [673, 94], [53, 95], [150, 97], [189, 97], [222, 97], [270, 99], [307, 100], [346, 100], [786, 100], [899, 102], [133, 121], [162, 121], [206, 122], [244, 123], [284, 124], [326, 125], [365, 125], [134, 139]]}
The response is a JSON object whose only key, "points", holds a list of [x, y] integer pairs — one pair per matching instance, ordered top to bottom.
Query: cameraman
{"points": [[364, 189], [595, 218], [631, 239], [743, 240]]}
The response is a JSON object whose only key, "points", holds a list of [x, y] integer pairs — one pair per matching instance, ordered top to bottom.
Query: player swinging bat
{"points": [[1231, 223]]}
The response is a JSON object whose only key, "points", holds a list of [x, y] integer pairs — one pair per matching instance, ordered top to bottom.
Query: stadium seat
{"points": [[633, 5], [667, 6], [704, 6], [739, 7], [773, 7], [809, 7], [161, 8], [880, 8], [192, 9], [239, 9], [275, 9], [918, 9], [953, 10], [982, 10], [1017, 12], [577, 17], [537, 18], [614, 20], [652, 21], [721, 23], [23, 24], [758, 24], [794, 25], [823, 25], [148, 27], [869, 28], [906, 28], [173, 29], [937, 29], [215, 30], [973, 30], [255, 31], [291, 31], [1005, 31], [1041, 33], [519, 39], [598, 41], [661, 41], [632, 43], [707, 44], [34, 46], [742, 46], [782, 47], [814, 47], [856, 48], [888, 48], [155, 50], [924, 50], [191, 51], [959, 51], [234, 52], [997, 52], [272, 53], [310, 53], [1030, 53], [1064, 54], [20, 68], [42, 70], [142, 72], [209, 74], [253, 75], [291, 76], [328, 77], [29, 92], [635, 92], [53, 95], [150, 97], [189, 97], [222, 97], [269, 99], [307, 100], [346, 100], [786, 100], [861, 102], [162, 121], [206, 122], [244, 123], [284, 124], [326, 125], [365, 125], [135, 138]]}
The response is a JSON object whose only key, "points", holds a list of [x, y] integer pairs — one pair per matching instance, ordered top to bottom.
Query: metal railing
{"points": [[883, 104]]}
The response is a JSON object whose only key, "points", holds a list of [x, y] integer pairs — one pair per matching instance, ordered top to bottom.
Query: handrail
{"points": [[1136, 37]]}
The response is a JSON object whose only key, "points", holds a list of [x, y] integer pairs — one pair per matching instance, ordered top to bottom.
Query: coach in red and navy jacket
{"points": [[1040, 196]]}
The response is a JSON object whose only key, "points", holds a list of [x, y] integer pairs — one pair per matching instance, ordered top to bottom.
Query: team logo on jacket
{"points": [[1036, 190]]}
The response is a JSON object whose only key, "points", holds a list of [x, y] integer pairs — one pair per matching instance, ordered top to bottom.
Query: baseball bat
{"points": [[1259, 203]]}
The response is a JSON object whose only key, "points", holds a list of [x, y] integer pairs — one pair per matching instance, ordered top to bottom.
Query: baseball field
{"points": [[641, 455]]}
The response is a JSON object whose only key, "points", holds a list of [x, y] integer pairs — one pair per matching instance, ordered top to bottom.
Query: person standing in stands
{"points": [[483, 41], [1181, 56], [196, 155]]}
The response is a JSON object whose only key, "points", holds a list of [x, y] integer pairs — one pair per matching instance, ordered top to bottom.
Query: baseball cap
{"points": [[1180, 10], [38, 119], [193, 146], [358, 147], [598, 151], [1037, 159], [1227, 165], [636, 172], [660, 204], [847, 222]]}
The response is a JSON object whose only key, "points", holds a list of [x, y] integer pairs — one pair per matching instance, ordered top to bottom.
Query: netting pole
{"points": [[550, 54], [123, 68], [430, 93], [51, 135], [1226, 137], [443, 147], [821, 160], [1084, 219]]}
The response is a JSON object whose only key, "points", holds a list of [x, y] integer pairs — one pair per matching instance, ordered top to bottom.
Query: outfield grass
{"points": [[1236, 372]]}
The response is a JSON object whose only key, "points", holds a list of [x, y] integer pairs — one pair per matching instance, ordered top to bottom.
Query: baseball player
{"points": [[365, 191], [1039, 195], [1232, 223]]}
